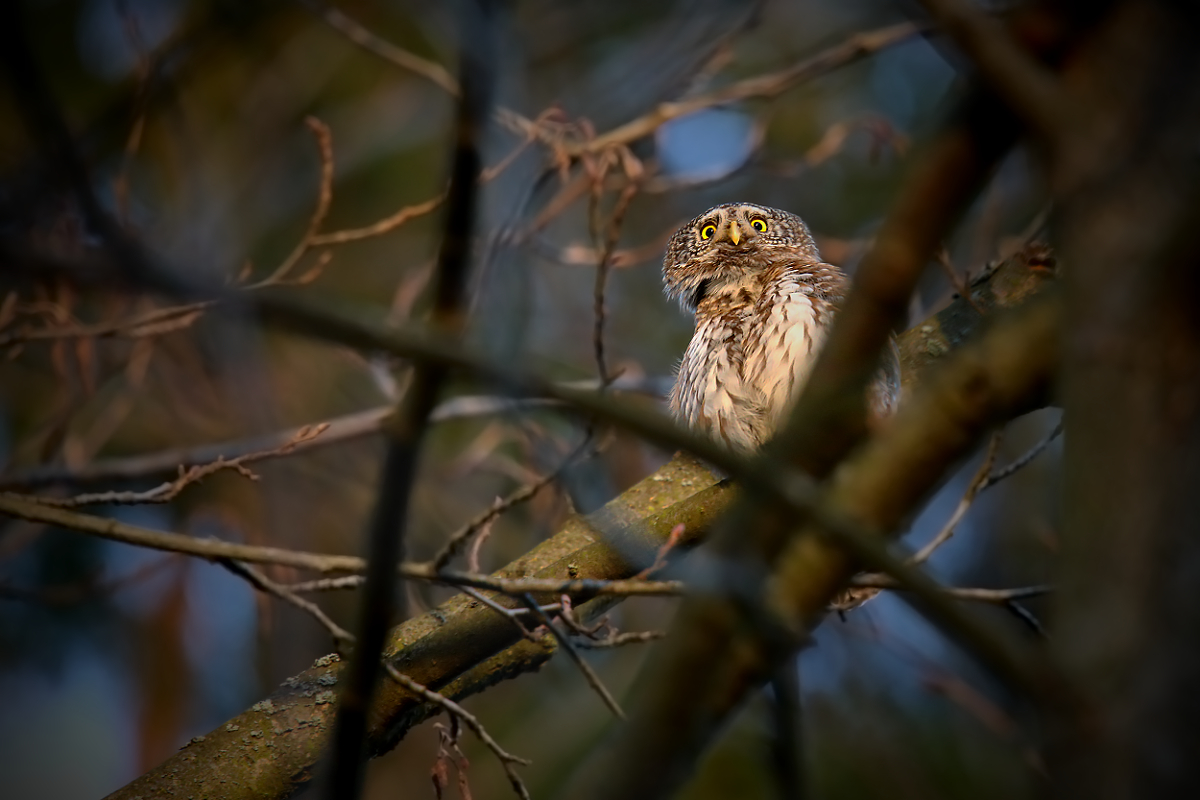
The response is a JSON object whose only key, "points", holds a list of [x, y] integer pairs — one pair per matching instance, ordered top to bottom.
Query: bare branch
{"points": [[364, 38], [854, 48], [324, 199], [389, 223], [613, 233], [960, 283], [153, 323], [1024, 460], [977, 482], [168, 491], [485, 532], [456, 540], [215, 549], [660, 558], [326, 584], [999, 596], [1009, 599], [509, 613], [567, 616], [341, 636], [621, 639], [565, 642], [507, 759]]}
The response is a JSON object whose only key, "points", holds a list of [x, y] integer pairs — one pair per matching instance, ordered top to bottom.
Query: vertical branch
{"points": [[47, 126], [603, 267], [830, 415], [381, 602], [787, 756]]}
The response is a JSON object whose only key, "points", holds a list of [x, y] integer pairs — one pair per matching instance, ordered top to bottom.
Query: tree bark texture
{"points": [[1127, 619]]}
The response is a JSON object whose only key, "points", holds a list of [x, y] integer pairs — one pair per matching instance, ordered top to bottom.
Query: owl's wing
{"points": [[710, 393]]}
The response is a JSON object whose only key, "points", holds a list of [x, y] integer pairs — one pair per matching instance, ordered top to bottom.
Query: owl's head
{"points": [[726, 243]]}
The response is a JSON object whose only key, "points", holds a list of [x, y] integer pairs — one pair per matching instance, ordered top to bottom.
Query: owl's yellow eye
{"points": [[759, 224], [708, 231]]}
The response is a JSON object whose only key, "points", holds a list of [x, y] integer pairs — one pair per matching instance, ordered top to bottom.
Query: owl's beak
{"points": [[735, 231]]}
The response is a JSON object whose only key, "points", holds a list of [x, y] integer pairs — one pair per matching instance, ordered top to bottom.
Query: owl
{"points": [[763, 302]]}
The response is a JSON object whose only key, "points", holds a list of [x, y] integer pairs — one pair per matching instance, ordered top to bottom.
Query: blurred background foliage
{"points": [[192, 115]]}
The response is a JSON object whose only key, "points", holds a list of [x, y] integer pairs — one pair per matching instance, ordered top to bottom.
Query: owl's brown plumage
{"points": [[763, 302]]}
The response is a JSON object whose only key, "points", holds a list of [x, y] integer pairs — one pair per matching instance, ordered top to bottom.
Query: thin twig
{"points": [[364, 38], [854, 48], [324, 199], [395, 220], [389, 223], [1036, 225], [580, 254], [602, 270], [961, 284], [152, 323], [340, 429], [1024, 460], [168, 491], [964, 505], [27, 508], [485, 533], [456, 540], [212, 549], [215, 549], [660, 558], [261, 582], [326, 584], [519, 586], [998, 596], [1009, 599], [511, 614], [566, 614], [1025, 615], [590, 638], [620, 639], [565, 642], [507, 759]]}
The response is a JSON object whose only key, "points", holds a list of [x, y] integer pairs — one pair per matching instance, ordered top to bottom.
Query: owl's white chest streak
{"points": [[751, 352]]}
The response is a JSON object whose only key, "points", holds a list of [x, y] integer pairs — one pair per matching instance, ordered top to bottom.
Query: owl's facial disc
{"points": [[721, 248]]}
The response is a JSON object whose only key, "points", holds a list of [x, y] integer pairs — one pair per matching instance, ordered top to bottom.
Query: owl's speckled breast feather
{"points": [[753, 347]]}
